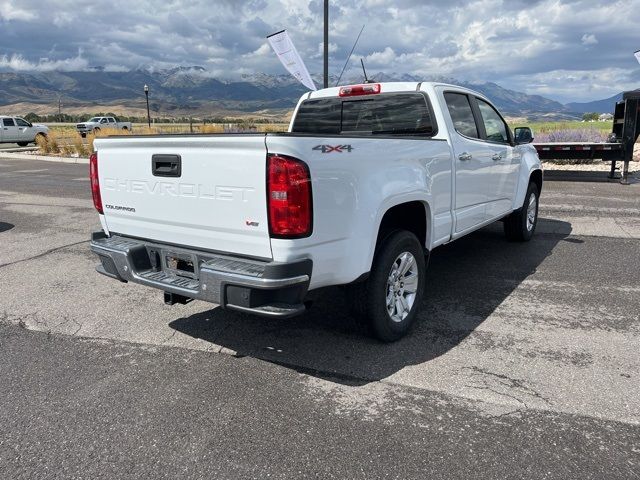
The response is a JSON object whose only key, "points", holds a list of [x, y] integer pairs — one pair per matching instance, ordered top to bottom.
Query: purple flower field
{"points": [[571, 135]]}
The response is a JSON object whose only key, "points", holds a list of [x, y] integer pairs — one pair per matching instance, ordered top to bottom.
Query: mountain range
{"points": [[194, 91]]}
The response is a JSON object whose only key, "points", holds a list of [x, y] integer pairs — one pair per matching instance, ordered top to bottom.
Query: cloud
{"points": [[10, 12], [516, 43], [18, 63]]}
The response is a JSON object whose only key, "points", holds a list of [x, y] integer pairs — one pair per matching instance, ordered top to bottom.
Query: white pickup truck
{"points": [[95, 124], [18, 130], [368, 180]]}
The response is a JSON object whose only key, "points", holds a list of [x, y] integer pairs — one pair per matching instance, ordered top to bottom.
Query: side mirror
{"points": [[523, 135]]}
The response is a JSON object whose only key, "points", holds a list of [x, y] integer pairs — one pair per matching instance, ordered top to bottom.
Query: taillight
{"points": [[355, 90], [95, 183], [289, 197]]}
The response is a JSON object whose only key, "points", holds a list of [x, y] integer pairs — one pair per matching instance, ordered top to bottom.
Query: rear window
{"points": [[388, 114]]}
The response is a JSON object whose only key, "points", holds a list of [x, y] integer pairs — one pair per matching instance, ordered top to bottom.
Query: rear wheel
{"points": [[23, 144], [521, 224], [388, 301]]}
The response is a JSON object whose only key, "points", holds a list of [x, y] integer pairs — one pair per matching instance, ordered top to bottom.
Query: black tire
{"points": [[125, 128], [96, 130], [83, 135], [40, 136], [23, 144], [517, 226], [368, 300]]}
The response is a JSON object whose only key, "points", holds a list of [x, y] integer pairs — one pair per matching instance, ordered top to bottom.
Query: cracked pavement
{"points": [[535, 346]]}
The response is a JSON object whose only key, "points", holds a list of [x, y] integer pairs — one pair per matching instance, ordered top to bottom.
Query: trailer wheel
{"points": [[521, 224]]}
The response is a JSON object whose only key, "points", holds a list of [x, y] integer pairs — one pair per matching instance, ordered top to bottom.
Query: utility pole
{"points": [[326, 43], [60, 108]]}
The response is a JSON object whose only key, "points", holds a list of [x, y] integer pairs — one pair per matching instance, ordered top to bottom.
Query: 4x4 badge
{"points": [[331, 148]]}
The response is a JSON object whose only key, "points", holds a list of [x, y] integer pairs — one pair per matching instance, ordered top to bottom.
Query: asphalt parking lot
{"points": [[524, 362]]}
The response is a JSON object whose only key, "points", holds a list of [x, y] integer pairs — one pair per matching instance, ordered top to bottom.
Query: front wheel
{"points": [[23, 144], [521, 224], [390, 298]]}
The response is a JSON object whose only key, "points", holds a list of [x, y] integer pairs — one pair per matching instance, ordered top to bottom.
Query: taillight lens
{"points": [[95, 183], [289, 197]]}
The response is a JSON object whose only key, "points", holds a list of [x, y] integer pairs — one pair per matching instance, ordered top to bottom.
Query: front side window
{"points": [[390, 114], [461, 114], [104, 120], [8, 122], [22, 123], [494, 126]]}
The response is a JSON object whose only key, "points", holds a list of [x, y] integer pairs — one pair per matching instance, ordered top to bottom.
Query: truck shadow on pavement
{"points": [[4, 226], [466, 281]]}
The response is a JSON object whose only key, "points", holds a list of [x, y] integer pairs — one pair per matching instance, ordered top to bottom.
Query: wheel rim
{"points": [[532, 209], [402, 286]]}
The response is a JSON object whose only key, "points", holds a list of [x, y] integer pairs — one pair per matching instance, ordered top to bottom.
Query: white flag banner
{"points": [[637, 54], [288, 55]]}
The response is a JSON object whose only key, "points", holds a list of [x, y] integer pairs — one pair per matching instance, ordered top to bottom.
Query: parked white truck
{"points": [[95, 124], [18, 130], [368, 180]]}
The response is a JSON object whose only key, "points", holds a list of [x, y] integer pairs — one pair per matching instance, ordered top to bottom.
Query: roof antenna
{"points": [[350, 53], [366, 80]]}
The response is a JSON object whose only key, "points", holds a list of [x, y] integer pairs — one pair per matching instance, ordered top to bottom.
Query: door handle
{"points": [[465, 156], [497, 156]]}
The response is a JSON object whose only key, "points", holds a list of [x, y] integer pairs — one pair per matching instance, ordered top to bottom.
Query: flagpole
{"points": [[326, 43]]}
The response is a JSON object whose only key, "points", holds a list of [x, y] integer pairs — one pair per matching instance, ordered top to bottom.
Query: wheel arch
{"points": [[530, 170], [413, 215]]}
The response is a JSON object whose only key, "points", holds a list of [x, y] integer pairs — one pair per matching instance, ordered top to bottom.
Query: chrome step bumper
{"points": [[264, 288]]}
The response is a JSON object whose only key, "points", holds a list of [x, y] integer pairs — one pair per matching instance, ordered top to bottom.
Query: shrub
{"points": [[211, 129], [571, 135], [43, 144], [48, 144], [80, 147]]}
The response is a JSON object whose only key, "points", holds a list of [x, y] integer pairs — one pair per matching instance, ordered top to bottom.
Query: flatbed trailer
{"points": [[625, 132]]}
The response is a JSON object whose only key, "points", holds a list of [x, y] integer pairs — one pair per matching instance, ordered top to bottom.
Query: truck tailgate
{"points": [[206, 192]]}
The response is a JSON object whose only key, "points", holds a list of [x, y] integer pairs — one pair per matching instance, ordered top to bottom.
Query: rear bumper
{"points": [[263, 288]]}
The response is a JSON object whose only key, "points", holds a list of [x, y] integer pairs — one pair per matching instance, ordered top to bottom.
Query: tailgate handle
{"points": [[163, 165]]}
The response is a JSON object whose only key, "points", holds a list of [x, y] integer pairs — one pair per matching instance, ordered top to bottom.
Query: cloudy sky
{"points": [[565, 50]]}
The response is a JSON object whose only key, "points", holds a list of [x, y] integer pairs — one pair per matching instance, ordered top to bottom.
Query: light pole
{"points": [[146, 93]]}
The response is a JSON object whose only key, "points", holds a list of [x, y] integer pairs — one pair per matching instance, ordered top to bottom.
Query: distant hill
{"points": [[194, 91], [600, 106]]}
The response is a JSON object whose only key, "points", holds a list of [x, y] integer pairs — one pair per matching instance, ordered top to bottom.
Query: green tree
{"points": [[32, 117], [587, 117]]}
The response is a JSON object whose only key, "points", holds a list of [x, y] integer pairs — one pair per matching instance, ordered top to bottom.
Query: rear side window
{"points": [[390, 114], [461, 114], [8, 122]]}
